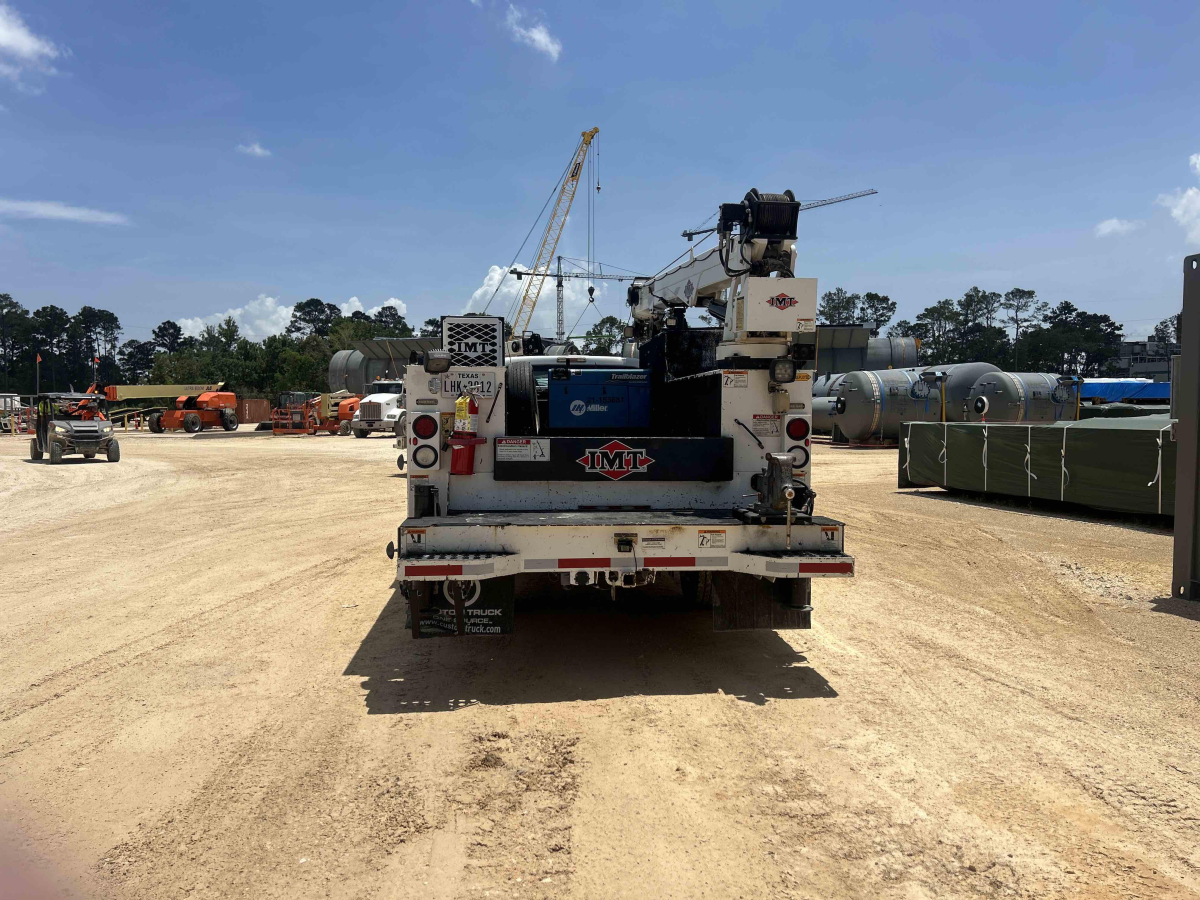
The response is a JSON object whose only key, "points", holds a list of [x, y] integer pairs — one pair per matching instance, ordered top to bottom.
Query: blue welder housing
{"points": [[613, 400]]}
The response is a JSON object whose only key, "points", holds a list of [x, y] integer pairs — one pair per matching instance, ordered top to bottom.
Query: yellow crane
{"points": [[554, 228]]}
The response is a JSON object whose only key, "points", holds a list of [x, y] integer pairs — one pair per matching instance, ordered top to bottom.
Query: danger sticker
{"points": [[734, 378], [766, 425], [522, 450], [706, 539]]}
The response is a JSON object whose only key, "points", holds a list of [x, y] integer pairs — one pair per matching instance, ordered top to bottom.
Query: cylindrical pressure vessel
{"points": [[891, 353], [347, 372], [826, 385], [1022, 397], [874, 404], [822, 409]]}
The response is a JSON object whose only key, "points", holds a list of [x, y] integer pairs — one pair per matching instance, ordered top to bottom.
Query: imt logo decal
{"points": [[781, 301], [615, 460]]}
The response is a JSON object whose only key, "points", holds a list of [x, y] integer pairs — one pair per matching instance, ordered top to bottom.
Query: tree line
{"points": [[1014, 330], [297, 359]]}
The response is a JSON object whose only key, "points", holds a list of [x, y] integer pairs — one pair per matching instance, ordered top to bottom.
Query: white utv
{"points": [[380, 410]]}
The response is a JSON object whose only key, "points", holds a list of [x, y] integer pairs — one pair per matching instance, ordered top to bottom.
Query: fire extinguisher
{"points": [[463, 439]]}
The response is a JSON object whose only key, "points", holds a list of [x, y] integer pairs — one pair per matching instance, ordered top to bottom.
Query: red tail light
{"points": [[425, 427], [797, 429]]}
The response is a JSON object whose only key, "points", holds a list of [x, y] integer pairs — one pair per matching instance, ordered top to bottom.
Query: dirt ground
{"points": [[207, 691]]}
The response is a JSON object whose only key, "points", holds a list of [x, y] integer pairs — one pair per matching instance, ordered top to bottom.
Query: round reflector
{"points": [[425, 427], [797, 429], [425, 456], [799, 456]]}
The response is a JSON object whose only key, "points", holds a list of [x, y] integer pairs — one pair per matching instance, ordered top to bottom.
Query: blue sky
{"points": [[183, 160]]}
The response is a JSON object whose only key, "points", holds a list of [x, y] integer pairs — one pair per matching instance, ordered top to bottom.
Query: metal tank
{"points": [[891, 353], [347, 372], [826, 385], [1023, 397], [873, 404], [822, 414]]}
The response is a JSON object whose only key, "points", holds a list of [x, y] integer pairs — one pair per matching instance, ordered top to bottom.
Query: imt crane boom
{"points": [[554, 228]]}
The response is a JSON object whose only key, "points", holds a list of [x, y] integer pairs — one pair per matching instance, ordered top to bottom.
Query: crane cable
{"points": [[553, 191]]}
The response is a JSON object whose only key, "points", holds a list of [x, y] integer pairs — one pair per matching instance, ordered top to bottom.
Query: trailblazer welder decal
{"points": [[781, 301], [615, 460]]}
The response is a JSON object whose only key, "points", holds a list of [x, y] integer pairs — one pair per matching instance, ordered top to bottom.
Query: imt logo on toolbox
{"points": [[615, 460]]}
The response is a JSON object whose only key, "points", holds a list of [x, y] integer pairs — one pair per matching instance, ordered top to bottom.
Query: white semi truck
{"points": [[382, 409], [688, 457]]}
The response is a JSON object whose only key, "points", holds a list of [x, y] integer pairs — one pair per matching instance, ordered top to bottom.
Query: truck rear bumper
{"points": [[479, 546]]}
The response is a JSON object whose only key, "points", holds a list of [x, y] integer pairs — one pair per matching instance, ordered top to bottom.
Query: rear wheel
{"points": [[520, 400], [229, 420], [155, 423], [191, 423], [114, 451], [35, 452], [55, 453], [697, 589]]}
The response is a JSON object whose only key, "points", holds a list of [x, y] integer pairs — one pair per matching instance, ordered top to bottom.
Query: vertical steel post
{"points": [[1185, 396]]}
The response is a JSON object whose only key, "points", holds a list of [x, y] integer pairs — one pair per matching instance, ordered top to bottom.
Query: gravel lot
{"points": [[207, 691]]}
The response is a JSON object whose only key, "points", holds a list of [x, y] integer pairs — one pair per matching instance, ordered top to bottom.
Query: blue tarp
{"points": [[1115, 391]]}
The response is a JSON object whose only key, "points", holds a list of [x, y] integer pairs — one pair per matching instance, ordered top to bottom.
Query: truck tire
{"points": [[520, 400], [229, 420], [155, 423], [191, 423], [401, 425], [344, 427], [360, 432], [114, 451], [35, 452], [55, 453], [697, 589]]}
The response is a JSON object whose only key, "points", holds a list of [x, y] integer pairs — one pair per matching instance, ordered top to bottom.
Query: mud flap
{"points": [[742, 602], [452, 608]]}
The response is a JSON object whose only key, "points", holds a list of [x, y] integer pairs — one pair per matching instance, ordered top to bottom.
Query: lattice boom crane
{"points": [[554, 227]]}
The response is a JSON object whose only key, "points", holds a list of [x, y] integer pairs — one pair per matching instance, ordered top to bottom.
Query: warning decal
{"points": [[708, 539]]}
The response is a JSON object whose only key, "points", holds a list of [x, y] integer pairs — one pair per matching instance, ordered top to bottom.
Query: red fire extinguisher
{"points": [[463, 439]]}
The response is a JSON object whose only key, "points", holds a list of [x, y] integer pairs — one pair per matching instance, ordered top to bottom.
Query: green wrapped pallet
{"points": [[1120, 464]]}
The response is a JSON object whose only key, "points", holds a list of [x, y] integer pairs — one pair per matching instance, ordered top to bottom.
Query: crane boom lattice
{"points": [[554, 228]]}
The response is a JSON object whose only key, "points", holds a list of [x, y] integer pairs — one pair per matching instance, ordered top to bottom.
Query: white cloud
{"points": [[536, 36], [22, 50], [255, 149], [1184, 206], [52, 209], [1185, 209], [1116, 226], [354, 305], [545, 314], [257, 319]]}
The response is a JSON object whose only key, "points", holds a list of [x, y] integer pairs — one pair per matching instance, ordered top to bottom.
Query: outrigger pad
{"points": [[742, 602], [487, 607]]}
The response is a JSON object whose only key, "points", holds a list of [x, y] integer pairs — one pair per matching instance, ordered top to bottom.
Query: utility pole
{"points": [[562, 336]]}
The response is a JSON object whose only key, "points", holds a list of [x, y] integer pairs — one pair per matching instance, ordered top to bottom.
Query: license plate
{"points": [[483, 384]]}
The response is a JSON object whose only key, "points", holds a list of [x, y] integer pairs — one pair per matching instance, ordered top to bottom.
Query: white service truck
{"points": [[382, 409], [687, 457]]}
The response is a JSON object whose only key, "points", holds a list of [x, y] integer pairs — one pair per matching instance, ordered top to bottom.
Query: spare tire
{"points": [[520, 400]]}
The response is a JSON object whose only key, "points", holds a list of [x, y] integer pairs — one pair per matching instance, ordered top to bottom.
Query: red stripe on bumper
{"points": [[670, 562], [580, 563], [814, 568], [433, 570]]}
